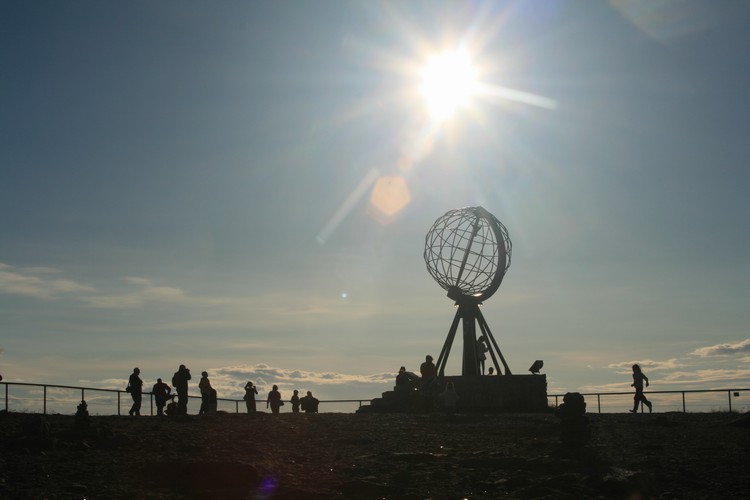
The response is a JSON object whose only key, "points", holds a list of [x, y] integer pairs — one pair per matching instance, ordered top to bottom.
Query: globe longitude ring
{"points": [[468, 251]]}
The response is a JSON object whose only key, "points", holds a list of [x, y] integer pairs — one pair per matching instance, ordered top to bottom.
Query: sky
{"points": [[245, 188]]}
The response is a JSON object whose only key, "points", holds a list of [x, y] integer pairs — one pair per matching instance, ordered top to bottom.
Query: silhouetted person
{"points": [[481, 350], [491, 371], [428, 372], [402, 379], [638, 379], [405, 380], [135, 384], [180, 384], [205, 387], [161, 392], [250, 392], [449, 398], [274, 399], [213, 401], [295, 401], [309, 403], [82, 415], [574, 424]]}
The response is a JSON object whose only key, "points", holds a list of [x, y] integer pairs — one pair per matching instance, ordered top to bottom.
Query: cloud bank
{"points": [[742, 347]]}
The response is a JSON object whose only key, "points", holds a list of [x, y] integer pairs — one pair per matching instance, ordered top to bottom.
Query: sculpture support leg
{"points": [[488, 335], [443, 358], [470, 362]]}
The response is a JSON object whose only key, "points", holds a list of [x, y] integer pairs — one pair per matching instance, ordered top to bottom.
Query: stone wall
{"points": [[500, 393]]}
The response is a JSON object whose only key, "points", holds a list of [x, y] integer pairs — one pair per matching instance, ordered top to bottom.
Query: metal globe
{"points": [[468, 251]]}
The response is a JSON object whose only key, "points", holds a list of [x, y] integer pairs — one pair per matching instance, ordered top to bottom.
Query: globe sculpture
{"points": [[468, 251]]}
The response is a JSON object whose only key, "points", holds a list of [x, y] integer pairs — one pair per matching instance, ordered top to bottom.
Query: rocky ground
{"points": [[361, 456]]}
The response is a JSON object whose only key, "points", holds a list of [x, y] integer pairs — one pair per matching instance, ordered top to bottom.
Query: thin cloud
{"points": [[25, 282], [148, 293], [742, 347], [625, 367], [737, 376], [230, 380]]}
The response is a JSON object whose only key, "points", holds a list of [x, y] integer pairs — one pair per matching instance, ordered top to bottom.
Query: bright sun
{"points": [[449, 83]]}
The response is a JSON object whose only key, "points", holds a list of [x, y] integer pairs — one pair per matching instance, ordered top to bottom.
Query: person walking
{"points": [[180, 383], [135, 388], [161, 392], [250, 392], [639, 397], [274, 400]]}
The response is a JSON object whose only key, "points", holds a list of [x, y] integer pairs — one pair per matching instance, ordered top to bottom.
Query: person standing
{"points": [[481, 352], [428, 372], [180, 383], [205, 387], [135, 388], [161, 391], [250, 392], [449, 397], [639, 397], [274, 399], [295, 401], [309, 403]]}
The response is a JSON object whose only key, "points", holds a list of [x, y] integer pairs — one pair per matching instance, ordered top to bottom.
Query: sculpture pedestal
{"points": [[501, 393], [477, 394]]}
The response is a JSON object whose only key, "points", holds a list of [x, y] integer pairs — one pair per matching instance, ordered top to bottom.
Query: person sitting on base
{"points": [[405, 380]]}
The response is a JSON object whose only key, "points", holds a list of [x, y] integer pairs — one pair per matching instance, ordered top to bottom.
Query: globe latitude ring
{"points": [[468, 251]]}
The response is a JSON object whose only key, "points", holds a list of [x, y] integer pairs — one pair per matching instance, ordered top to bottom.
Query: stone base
{"points": [[479, 394]]}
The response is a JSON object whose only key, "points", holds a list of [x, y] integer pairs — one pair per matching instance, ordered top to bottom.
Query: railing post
{"points": [[729, 395], [83, 396], [6, 398], [45, 400], [599, 402], [118, 403], [151, 403], [556, 405], [237, 407], [684, 410]]}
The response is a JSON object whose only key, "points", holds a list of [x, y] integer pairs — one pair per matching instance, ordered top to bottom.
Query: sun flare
{"points": [[449, 83]]}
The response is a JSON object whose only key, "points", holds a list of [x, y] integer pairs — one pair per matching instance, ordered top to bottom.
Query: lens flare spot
{"points": [[390, 196]]}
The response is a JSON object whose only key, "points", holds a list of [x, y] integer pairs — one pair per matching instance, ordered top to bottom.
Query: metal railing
{"points": [[730, 393], [45, 398]]}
